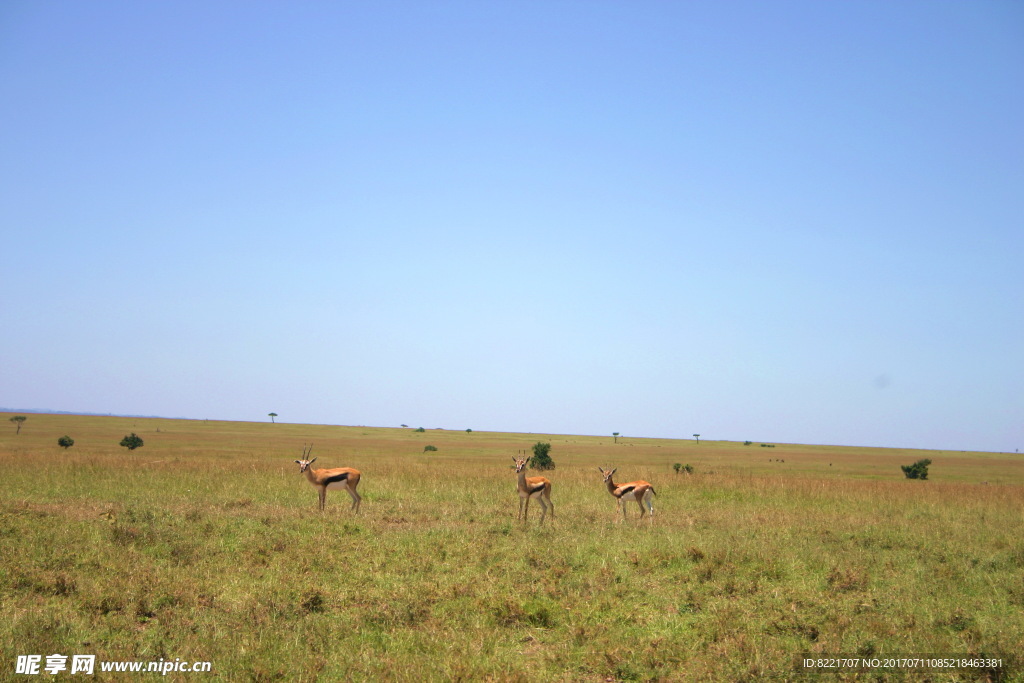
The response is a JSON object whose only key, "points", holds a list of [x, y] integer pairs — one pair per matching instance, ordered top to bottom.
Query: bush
{"points": [[420, 429], [65, 442], [132, 442], [427, 449], [541, 459], [919, 470]]}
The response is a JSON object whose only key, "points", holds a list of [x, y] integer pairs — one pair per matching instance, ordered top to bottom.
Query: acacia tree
{"points": [[271, 416], [18, 420], [616, 435], [697, 436], [65, 442], [132, 442], [919, 470]]}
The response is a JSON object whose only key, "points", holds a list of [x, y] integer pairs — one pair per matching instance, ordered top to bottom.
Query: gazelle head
{"points": [[305, 462], [520, 463], [607, 474]]}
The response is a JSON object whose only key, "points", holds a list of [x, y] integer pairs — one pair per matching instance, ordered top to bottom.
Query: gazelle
{"points": [[335, 477], [532, 487], [640, 491]]}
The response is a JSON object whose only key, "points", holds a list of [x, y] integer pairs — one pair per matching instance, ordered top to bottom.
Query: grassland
{"points": [[206, 545]]}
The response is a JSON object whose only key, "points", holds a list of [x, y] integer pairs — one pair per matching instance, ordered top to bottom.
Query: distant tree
{"points": [[271, 416], [18, 420], [405, 426], [420, 429], [469, 431], [616, 435], [697, 436], [65, 442], [132, 442], [427, 449], [541, 459], [678, 466], [919, 470]]}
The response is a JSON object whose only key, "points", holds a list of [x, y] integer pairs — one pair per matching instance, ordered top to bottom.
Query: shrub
{"points": [[420, 429], [65, 442], [132, 442], [428, 448], [541, 459], [678, 466], [919, 470]]}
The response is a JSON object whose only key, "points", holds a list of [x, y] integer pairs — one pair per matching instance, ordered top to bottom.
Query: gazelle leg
{"points": [[323, 496], [355, 498], [552, 506], [544, 508], [643, 511]]}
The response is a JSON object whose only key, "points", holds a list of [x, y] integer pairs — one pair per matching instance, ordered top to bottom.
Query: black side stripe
{"points": [[336, 478], [538, 488], [624, 491]]}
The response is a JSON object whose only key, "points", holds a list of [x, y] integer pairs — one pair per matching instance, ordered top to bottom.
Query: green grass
{"points": [[206, 544]]}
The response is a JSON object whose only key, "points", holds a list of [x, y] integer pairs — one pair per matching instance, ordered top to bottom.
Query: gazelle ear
{"points": [[312, 461], [298, 462], [600, 470], [614, 471]]}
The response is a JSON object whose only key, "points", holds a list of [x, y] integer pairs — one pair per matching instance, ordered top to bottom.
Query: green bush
{"points": [[65, 442], [132, 442], [427, 449], [541, 459], [919, 470]]}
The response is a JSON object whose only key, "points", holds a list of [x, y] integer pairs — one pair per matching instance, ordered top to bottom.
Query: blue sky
{"points": [[784, 221]]}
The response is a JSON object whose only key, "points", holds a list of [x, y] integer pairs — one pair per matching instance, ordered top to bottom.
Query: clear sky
{"points": [[776, 221]]}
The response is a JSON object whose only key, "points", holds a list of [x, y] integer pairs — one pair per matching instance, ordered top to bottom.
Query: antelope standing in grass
{"points": [[335, 477], [532, 487], [640, 491]]}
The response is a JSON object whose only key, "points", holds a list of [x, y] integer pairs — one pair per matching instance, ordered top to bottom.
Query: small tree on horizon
{"points": [[271, 416], [18, 420], [616, 435], [697, 436], [65, 442], [132, 442], [541, 459], [919, 470]]}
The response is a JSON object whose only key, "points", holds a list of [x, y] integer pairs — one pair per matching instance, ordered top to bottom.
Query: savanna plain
{"points": [[206, 544]]}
